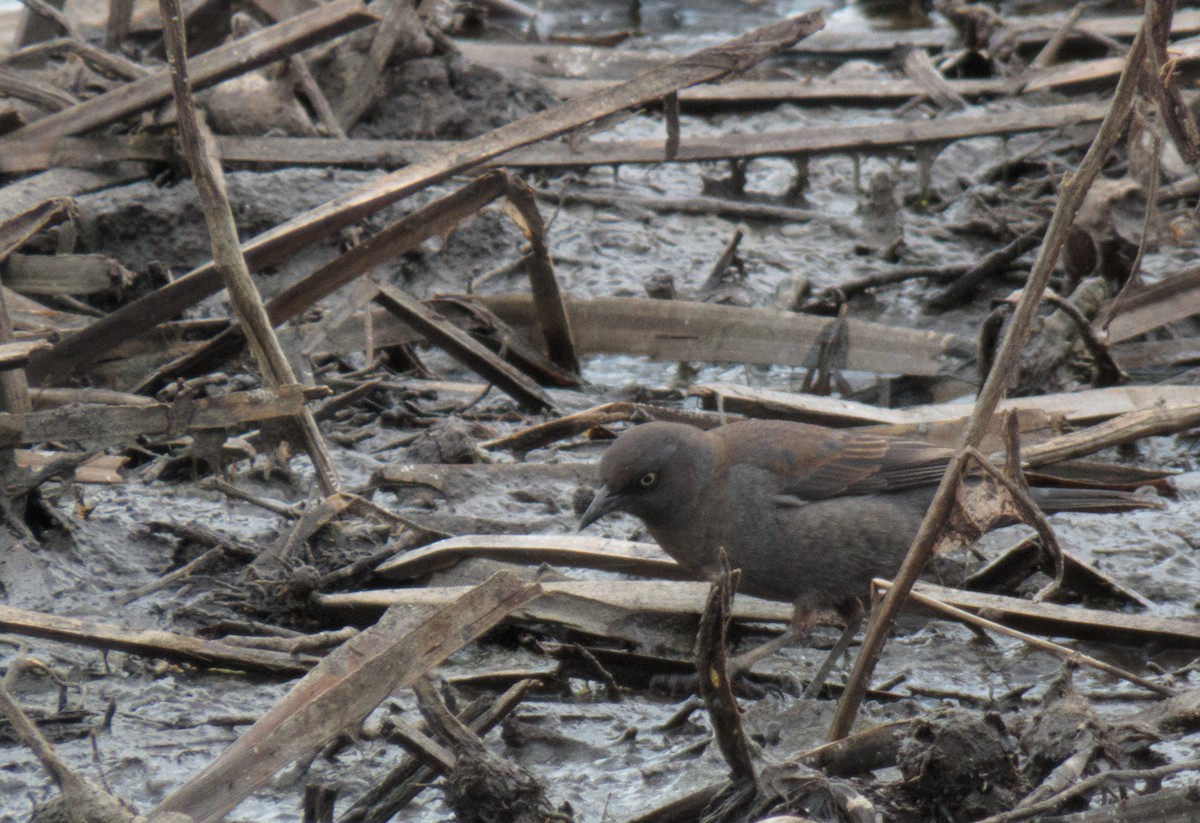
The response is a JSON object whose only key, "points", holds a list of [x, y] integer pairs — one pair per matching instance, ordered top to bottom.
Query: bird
{"points": [[809, 514]]}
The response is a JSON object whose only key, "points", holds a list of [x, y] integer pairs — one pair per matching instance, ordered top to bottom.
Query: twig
{"points": [[44, 9], [120, 13], [1050, 51], [671, 117], [201, 155], [691, 205], [271, 247], [729, 257], [988, 268], [547, 296], [1108, 372], [230, 490], [1036, 642], [715, 686], [409, 778], [1093, 782]]}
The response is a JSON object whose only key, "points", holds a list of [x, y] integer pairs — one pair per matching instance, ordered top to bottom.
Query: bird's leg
{"points": [[853, 613], [801, 625], [743, 663]]}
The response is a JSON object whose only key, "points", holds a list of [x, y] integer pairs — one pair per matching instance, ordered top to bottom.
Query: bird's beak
{"points": [[602, 504]]}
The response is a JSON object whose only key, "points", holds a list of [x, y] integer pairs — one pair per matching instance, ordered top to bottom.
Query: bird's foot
{"points": [[675, 685], [681, 685]]}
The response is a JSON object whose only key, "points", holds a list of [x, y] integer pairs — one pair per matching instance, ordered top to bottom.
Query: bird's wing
{"points": [[816, 463]]}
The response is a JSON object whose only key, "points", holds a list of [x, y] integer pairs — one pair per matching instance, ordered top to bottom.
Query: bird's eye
{"points": [[648, 479]]}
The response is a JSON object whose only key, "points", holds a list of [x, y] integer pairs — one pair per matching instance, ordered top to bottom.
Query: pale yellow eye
{"points": [[647, 479]]}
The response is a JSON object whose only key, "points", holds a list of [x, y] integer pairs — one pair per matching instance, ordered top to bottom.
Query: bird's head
{"points": [[651, 471]]}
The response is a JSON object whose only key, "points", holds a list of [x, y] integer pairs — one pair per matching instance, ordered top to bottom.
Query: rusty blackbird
{"points": [[809, 514]]}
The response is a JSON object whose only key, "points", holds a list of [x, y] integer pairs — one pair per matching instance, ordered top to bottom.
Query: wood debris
{"points": [[317, 319]]}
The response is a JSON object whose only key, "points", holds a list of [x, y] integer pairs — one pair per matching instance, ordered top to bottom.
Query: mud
{"points": [[609, 760]]}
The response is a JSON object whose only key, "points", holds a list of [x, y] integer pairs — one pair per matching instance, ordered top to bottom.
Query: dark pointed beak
{"points": [[602, 504]]}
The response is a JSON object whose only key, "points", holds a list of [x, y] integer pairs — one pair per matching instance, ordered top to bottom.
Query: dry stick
{"points": [[120, 14], [54, 15], [397, 15], [1050, 51], [734, 56], [104, 61], [223, 62], [920, 70], [302, 76], [39, 93], [316, 96], [1176, 114], [671, 118], [24, 155], [1073, 191], [689, 205], [403, 235], [728, 258], [989, 268], [893, 275], [1133, 283], [547, 297], [247, 303], [464, 348], [1108, 371], [14, 390], [1124, 429], [1013, 481], [230, 490], [182, 573], [1037, 642], [158, 644], [346, 686], [715, 686], [868, 750], [1116, 776], [409, 778], [481, 785]]}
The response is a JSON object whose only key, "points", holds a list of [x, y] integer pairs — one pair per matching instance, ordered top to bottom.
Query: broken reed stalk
{"points": [[120, 17], [230, 60], [360, 91], [200, 152], [1074, 189], [406, 233], [403, 235], [269, 248], [547, 296], [464, 348], [14, 390], [1123, 429], [1013, 480], [1037, 642], [157, 644], [346, 686], [715, 686], [1110, 777], [408, 778]]}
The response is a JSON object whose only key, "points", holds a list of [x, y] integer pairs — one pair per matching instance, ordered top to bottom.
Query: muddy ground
{"points": [[609, 757]]}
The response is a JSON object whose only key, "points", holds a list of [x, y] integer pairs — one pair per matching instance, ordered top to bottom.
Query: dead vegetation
{"points": [[388, 436]]}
